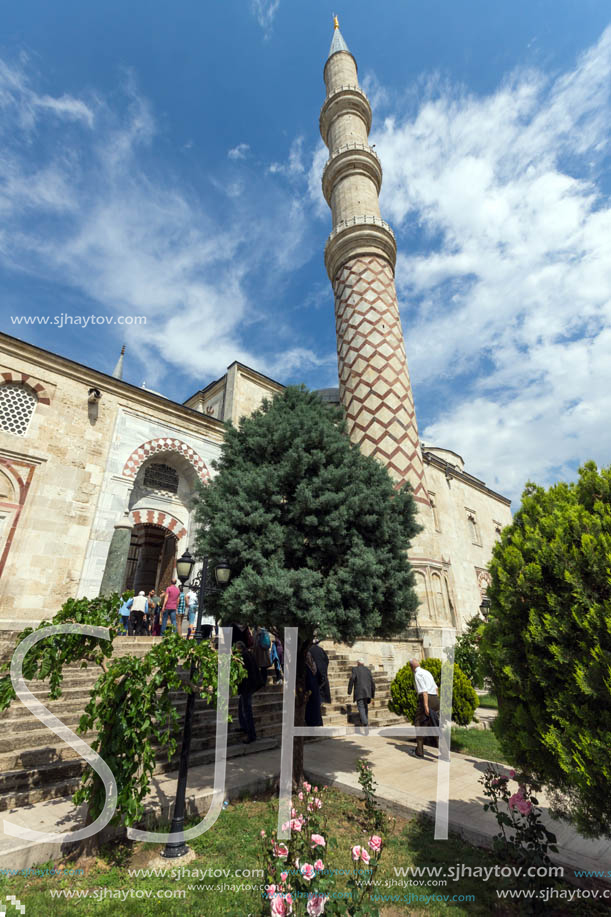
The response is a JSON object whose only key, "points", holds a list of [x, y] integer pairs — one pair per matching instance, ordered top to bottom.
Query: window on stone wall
{"points": [[17, 403], [161, 477], [435, 512], [473, 528], [497, 531]]}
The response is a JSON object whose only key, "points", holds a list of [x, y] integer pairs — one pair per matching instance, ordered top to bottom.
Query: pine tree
{"points": [[314, 531], [547, 644]]}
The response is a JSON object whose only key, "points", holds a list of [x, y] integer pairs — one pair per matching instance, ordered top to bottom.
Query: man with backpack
{"points": [[262, 651]]}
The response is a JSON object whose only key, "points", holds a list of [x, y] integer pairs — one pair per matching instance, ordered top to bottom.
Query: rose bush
{"points": [[299, 883]]}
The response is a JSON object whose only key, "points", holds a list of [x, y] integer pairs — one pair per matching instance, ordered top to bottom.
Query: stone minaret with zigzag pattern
{"points": [[360, 257]]}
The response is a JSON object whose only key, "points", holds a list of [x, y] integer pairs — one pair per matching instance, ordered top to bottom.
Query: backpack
{"points": [[264, 639]]}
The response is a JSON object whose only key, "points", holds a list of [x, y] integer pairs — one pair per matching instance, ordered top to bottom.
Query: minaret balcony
{"points": [[341, 101], [351, 159], [359, 236]]}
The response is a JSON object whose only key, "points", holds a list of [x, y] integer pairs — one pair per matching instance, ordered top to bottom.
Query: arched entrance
{"points": [[151, 560]]}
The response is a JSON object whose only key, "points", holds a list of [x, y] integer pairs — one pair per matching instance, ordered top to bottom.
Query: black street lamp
{"points": [[184, 565], [222, 572], [485, 607]]}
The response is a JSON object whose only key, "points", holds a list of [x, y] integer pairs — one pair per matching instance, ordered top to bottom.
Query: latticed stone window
{"points": [[17, 403], [161, 477]]}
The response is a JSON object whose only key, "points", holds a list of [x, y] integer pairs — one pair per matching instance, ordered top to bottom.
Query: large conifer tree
{"points": [[315, 532], [547, 644]]}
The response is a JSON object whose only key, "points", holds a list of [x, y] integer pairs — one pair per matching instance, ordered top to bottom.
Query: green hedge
{"points": [[403, 697]]}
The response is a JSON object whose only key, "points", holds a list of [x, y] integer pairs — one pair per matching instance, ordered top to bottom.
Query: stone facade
{"points": [[98, 485]]}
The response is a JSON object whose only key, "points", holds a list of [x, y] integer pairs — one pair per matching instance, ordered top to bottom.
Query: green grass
{"points": [[488, 701], [481, 743], [233, 843]]}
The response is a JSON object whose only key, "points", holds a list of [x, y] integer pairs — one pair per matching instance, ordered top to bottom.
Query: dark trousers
{"points": [[136, 620], [362, 706], [245, 714], [421, 719]]}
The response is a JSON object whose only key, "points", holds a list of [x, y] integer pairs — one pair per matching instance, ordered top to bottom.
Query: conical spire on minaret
{"points": [[338, 43], [360, 257], [118, 370]]}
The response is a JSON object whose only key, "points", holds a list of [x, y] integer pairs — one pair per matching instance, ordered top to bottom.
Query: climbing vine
{"points": [[132, 705]]}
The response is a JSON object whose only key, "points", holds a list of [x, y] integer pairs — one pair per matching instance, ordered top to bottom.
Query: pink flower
{"points": [[512, 773], [307, 786], [316, 789], [300, 796], [318, 803], [310, 807], [293, 813], [295, 824], [285, 826], [263, 834], [318, 840], [375, 842], [280, 850], [356, 852], [365, 856], [319, 865], [307, 871], [284, 876], [271, 891], [316, 905], [282, 906]]}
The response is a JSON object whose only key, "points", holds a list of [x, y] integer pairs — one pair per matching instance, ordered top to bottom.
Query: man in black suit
{"points": [[322, 666], [361, 681]]}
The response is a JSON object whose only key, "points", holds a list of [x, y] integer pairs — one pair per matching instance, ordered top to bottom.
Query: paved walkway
{"points": [[405, 784]]}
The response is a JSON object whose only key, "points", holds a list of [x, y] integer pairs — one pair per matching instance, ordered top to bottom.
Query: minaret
{"points": [[360, 257], [118, 370]]}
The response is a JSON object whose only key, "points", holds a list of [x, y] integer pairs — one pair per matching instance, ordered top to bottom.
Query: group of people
{"points": [[147, 615]]}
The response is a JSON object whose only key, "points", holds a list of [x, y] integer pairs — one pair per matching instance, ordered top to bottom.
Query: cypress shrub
{"points": [[404, 699]]}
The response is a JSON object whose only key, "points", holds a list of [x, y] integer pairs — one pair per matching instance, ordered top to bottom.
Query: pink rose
{"points": [[512, 773], [307, 786], [316, 789], [300, 796], [318, 803], [293, 813], [295, 824], [285, 826], [263, 834], [318, 840], [375, 842], [281, 850], [356, 852], [365, 856], [319, 865], [308, 872], [284, 876], [271, 891], [316, 905], [281, 906]]}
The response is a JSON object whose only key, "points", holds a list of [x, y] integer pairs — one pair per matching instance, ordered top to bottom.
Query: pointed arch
{"points": [[159, 446]]}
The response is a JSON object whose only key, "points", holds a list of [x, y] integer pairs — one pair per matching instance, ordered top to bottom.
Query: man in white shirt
{"points": [[428, 699]]}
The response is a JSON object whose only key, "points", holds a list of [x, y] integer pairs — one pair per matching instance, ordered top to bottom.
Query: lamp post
{"points": [[222, 576], [485, 607]]}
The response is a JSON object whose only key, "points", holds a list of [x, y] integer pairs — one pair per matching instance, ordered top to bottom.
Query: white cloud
{"points": [[265, 11], [240, 151], [293, 167], [504, 234], [134, 241]]}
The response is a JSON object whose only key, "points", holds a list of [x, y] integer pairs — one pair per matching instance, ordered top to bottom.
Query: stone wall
{"points": [[68, 477]]}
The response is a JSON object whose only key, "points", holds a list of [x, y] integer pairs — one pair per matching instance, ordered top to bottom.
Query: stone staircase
{"points": [[342, 711], [36, 765]]}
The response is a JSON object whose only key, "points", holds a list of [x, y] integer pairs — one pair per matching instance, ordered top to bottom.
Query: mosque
{"points": [[98, 477]]}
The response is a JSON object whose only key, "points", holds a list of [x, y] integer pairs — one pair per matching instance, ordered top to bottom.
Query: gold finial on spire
{"points": [[335, 22]]}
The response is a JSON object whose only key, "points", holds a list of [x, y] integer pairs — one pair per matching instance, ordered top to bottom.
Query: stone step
{"points": [[42, 785]]}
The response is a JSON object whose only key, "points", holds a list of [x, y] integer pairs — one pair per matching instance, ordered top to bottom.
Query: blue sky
{"points": [[163, 160]]}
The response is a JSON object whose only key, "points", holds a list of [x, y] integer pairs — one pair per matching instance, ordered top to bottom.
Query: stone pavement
{"points": [[406, 786]]}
